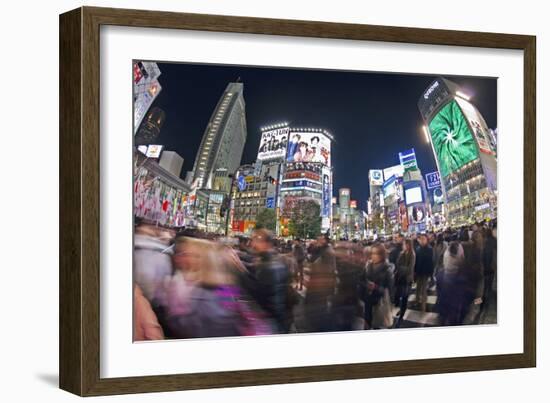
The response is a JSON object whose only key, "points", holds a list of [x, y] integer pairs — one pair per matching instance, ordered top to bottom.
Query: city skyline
{"points": [[365, 112]]}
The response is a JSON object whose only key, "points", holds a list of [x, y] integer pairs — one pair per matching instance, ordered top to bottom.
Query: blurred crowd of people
{"points": [[192, 284]]}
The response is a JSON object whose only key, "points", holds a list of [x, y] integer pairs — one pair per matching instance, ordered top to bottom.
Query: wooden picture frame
{"points": [[80, 196]]}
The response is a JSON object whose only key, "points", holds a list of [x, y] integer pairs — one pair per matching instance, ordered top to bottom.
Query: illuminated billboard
{"points": [[145, 88], [144, 101], [477, 125], [452, 139], [273, 144], [305, 146], [153, 151], [408, 160], [396, 170], [376, 177], [433, 180], [390, 187], [327, 193], [413, 195]]}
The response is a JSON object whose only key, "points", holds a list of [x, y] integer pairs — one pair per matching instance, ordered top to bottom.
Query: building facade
{"points": [[149, 129], [222, 144], [464, 150], [172, 162]]}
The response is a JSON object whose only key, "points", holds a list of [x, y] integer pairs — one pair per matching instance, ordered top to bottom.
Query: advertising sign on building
{"points": [[143, 100], [477, 125], [452, 139], [273, 144], [308, 147], [153, 151], [408, 160], [396, 170], [376, 177], [433, 180], [241, 183], [390, 187], [413, 195], [437, 196], [325, 210], [403, 216]]}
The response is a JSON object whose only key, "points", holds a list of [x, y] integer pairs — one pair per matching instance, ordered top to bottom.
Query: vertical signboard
{"points": [[408, 160], [433, 180], [327, 199]]}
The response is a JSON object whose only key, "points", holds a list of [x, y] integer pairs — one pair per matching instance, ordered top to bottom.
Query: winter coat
{"points": [[439, 251], [424, 265], [404, 268], [472, 271], [322, 274], [382, 276], [269, 285]]}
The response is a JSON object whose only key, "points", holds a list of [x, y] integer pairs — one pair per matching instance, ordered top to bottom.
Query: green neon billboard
{"points": [[452, 139]]}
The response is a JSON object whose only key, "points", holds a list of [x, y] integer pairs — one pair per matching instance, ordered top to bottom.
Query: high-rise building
{"points": [[146, 88], [150, 127], [222, 144], [462, 149], [172, 162], [344, 198]]}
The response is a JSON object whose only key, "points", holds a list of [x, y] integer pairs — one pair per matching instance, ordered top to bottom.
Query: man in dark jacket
{"points": [[396, 248], [423, 270], [269, 283], [321, 286]]}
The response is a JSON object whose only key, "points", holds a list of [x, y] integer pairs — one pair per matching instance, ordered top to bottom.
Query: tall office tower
{"points": [[150, 127], [222, 144], [462, 149], [344, 195]]}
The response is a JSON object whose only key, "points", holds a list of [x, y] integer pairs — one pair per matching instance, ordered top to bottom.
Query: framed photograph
{"points": [[248, 201]]}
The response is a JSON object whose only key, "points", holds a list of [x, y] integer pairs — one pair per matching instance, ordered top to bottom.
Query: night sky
{"points": [[372, 116]]}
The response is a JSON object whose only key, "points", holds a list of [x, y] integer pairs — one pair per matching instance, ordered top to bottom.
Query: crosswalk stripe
{"points": [[425, 318]]}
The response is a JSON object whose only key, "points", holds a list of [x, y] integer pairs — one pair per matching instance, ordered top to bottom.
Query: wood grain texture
{"points": [[80, 196], [70, 270]]}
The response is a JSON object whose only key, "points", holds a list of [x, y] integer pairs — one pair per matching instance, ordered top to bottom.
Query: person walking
{"points": [[439, 248], [300, 257], [489, 265], [424, 269], [471, 276], [404, 277], [270, 280], [321, 286], [377, 286], [449, 293]]}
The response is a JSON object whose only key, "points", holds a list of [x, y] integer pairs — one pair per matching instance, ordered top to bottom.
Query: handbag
{"points": [[382, 317]]}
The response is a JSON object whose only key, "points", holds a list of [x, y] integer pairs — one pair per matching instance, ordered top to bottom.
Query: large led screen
{"points": [[452, 140]]}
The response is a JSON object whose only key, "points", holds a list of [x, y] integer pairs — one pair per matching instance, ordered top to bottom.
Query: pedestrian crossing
{"points": [[414, 316]]}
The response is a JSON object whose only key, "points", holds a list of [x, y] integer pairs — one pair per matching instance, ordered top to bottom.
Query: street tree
{"points": [[267, 219], [305, 219]]}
